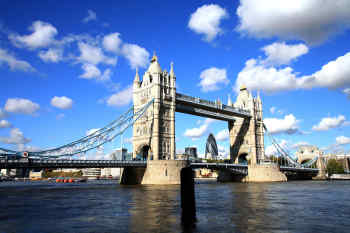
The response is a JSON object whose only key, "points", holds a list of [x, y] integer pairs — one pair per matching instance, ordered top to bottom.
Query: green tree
{"points": [[334, 167]]}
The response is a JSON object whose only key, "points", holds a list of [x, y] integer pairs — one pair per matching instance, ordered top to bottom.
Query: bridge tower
{"points": [[154, 132], [247, 134]]}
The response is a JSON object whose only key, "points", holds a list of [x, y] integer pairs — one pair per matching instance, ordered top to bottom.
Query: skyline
{"points": [[68, 71]]}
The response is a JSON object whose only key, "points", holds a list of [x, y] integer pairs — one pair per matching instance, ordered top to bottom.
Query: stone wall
{"points": [[164, 171], [264, 173]]}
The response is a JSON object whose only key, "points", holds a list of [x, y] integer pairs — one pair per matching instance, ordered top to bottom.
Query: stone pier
{"points": [[159, 172], [264, 173]]}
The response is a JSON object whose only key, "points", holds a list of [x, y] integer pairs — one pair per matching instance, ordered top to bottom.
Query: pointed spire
{"points": [[154, 58], [172, 74], [137, 77], [258, 98], [229, 102]]}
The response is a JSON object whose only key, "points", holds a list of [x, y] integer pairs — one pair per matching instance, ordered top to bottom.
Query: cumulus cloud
{"points": [[90, 17], [299, 19], [206, 20], [43, 35], [112, 42], [282, 53], [51, 55], [94, 55], [136, 55], [13, 62], [92, 72], [257, 76], [212, 78], [347, 92], [121, 98], [62, 102], [18, 105], [327, 123], [5, 124], [288, 125], [196, 133], [223, 135], [16, 137], [342, 140], [299, 144], [22, 147], [271, 150]]}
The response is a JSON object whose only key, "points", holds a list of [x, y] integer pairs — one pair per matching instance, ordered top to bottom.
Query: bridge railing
{"points": [[215, 104]]}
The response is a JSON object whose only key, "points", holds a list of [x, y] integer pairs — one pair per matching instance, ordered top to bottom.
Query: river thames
{"points": [[105, 206]]}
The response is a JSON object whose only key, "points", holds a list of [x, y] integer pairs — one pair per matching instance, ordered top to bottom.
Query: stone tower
{"points": [[154, 132], [247, 135]]}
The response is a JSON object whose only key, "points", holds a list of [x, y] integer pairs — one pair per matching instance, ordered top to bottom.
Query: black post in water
{"points": [[188, 202]]}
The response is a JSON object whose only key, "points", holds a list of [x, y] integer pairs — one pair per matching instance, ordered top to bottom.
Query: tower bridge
{"points": [[153, 119]]}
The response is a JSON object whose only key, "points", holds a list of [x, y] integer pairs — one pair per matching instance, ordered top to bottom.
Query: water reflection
{"points": [[155, 208]]}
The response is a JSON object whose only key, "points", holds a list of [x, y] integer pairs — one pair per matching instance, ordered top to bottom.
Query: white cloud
{"points": [[90, 17], [298, 19], [206, 20], [42, 36], [112, 42], [282, 53], [51, 55], [94, 55], [136, 55], [13, 62], [90, 71], [257, 76], [212, 78], [347, 92], [121, 98], [62, 102], [18, 105], [273, 110], [329, 123], [5, 124], [288, 125], [196, 133], [223, 135], [16, 137], [342, 140], [299, 144], [22, 147], [271, 150]]}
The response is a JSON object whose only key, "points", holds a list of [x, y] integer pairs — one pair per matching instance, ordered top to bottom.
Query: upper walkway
{"points": [[205, 108]]}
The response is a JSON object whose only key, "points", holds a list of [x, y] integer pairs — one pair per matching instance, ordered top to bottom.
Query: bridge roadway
{"points": [[200, 107], [65, 163]]}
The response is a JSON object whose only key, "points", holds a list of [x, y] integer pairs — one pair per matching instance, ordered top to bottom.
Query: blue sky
{"points": [[66, 67]]}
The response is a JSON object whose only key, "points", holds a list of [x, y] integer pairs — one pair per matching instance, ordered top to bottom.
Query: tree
{"points": [[334, 167]]}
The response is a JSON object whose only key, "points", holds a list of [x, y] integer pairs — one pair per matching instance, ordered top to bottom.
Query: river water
{"points": [[105, 206]]}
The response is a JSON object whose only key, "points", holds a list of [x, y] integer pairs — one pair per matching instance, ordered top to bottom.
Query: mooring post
{"points": [[188, 202]]}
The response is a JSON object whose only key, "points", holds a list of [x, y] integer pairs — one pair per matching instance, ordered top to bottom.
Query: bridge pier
{"points": [[158, 172], [264, 173], [226, 175]]}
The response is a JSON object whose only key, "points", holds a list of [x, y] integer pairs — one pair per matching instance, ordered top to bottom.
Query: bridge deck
{"points": [[205, 108], [63, 163]]}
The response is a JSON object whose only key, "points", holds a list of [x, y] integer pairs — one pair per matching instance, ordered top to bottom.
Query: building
{"points": [[211, 148], [191, 151], [307, 152], [119, 154], [92, 172]]}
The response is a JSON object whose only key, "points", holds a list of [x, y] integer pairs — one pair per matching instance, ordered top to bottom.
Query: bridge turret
{"points": [[137, 79]]}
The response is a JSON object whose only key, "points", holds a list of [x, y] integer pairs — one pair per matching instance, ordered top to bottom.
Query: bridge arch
{"points": [[144, 152], [242, 158]]}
